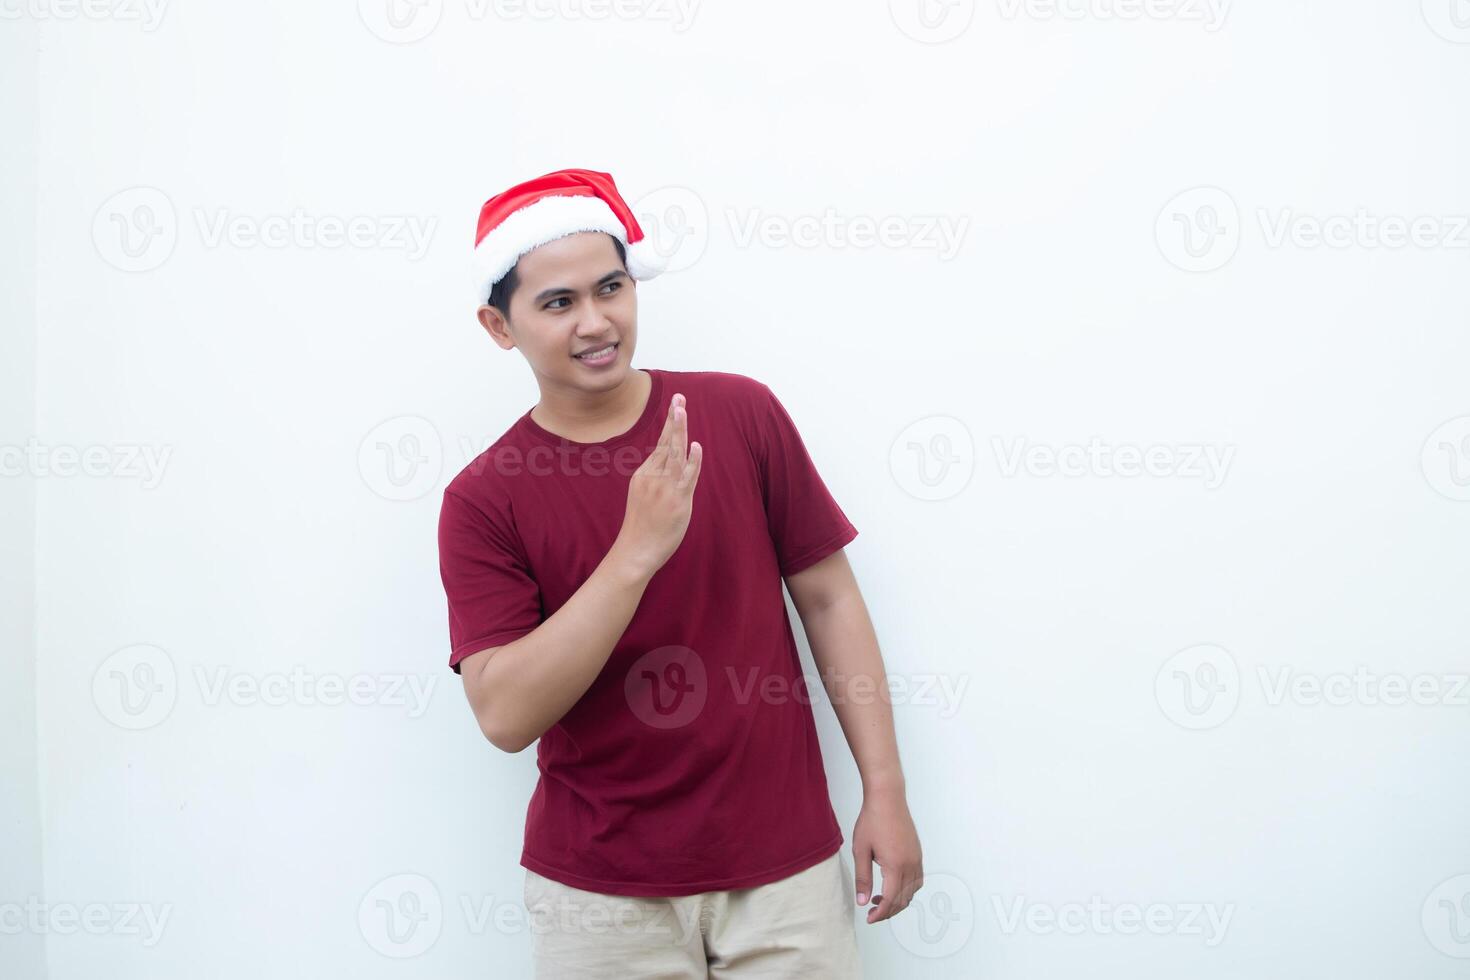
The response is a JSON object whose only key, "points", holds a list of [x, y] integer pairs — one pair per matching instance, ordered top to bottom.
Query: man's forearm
{"points": [[845, 650], [530, 683]]}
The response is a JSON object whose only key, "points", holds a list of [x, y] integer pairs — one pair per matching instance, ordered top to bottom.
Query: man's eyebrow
{"points": [[546, 294]]}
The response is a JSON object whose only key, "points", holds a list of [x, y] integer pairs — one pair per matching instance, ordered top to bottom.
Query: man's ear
{"points": [[495, 325]]}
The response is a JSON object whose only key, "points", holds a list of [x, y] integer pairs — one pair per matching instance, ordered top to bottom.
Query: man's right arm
{"points": [[519, 690]]}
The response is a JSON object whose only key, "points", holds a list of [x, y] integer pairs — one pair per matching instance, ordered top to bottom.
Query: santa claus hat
{"points": [[550, 207]]}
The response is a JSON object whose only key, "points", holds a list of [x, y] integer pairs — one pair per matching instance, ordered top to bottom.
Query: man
{"points": [[613, 564]]}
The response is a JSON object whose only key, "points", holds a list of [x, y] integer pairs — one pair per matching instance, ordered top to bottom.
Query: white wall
{"points": [[246, 530], [22, 951]]}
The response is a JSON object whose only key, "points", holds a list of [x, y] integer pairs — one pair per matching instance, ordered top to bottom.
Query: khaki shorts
{"points": [[800, 926]]}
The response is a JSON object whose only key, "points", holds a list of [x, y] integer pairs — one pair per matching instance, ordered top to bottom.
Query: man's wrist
{"points": [[628, 570], [884, 782]]}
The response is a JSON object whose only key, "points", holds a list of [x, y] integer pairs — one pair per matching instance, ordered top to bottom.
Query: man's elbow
{"points": [[504, 739]]}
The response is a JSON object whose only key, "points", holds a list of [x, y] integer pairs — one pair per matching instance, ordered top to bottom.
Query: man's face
{"points": [[574, 296]]}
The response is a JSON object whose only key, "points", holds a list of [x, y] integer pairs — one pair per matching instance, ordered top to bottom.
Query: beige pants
{"points": [[800, 926]]}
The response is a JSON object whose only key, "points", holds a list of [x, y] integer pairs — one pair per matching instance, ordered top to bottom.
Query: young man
{"points": [[613, 564]]}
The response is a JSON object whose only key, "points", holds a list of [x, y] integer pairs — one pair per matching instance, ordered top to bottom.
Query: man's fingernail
{"points": [[862, 898]]}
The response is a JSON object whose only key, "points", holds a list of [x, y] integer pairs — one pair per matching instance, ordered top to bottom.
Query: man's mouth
{"points": [[600, 355]]}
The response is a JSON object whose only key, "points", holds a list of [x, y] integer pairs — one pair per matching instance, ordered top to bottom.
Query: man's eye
{"points": [[613, 285], [559, 299]]}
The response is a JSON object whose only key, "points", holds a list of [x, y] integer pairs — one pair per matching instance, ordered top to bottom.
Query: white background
{"points": [[1078, 767]]}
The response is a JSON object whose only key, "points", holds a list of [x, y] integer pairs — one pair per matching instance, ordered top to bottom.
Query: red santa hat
{"points": [[550, 207]]}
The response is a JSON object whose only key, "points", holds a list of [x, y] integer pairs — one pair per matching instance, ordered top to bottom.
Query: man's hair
{"points": [[502, 291]]}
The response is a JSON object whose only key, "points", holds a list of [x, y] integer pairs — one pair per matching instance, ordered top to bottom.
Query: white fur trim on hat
{"points": [[545, 220]]}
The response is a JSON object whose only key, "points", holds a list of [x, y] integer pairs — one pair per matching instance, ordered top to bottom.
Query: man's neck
{"points": [[598, 416]]}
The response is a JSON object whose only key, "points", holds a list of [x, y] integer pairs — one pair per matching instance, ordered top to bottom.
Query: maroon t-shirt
{"points": [[692, 763]]}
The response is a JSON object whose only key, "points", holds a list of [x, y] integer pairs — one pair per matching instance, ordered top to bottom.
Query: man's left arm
{"points": [[845, 649]]}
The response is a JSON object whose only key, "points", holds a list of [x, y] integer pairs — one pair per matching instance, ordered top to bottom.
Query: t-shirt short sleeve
{"points": [[805, 523], [492, 597]]}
